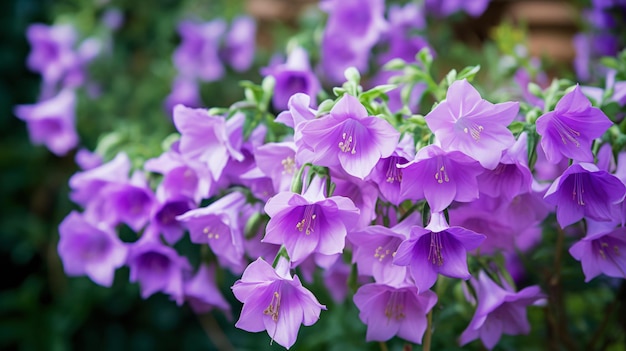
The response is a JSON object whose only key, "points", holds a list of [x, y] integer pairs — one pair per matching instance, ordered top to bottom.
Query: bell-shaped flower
{"points": [[239, 45], [52, 52], [198, 53], [293, 76], [51, 122], [465, 122], [569, 130], [348, 137], [278, 161], [388, 176], [440, 177], [86, 185], [583, 190], [309, 223], [218, 226], [87, 249], [437, 249], [602, 251], [157, 267], [202, 293], [275, 302], [394, 310], [499, 311]]}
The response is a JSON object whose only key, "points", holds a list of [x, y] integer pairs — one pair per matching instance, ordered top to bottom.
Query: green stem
{"points": [[429, 331]]}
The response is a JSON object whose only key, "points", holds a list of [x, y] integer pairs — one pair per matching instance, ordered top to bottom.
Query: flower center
{"points": [[471, 128], [566, 132], [348, 139], [289, 164], [394, 174], [441, 175], [578, 191], [306, 224], [210, 233], [381, 252], [434, 253], [274, 307], [395, 307]]}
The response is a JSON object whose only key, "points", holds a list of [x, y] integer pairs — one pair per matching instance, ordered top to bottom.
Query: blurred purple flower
{"points": [[444, 8], [240, 43], [52, 52], [197, 55], [185, 91], [51, 122], [569, 130], [86, 185], [87, 249], [602, 250], [202, 293], [274, 301], [394, 310], [500, 311]]}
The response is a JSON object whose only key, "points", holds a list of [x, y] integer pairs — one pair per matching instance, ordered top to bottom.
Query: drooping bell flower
{"points": [[52, 52], [198, 53], [293, 76], [51, 122], [465, 122], [569, 130], [349, 138], [440, 177], [86, 185], [583, 190], [309, 223], [218, 226], [89, 249], [437, 249], [602, 251], [202, 293], [275, 302], [394, 310], [499, 311]]}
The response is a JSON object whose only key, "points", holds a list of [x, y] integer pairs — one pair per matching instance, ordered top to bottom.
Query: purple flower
{"points": [[445, 8], [356, 19], [239, 46], [52, 50], [197, 55], [337, 56], [293, 76], [185, 91], [299, 111], [51, 122], [467, 123], [570, 129], [347, 136], [205, 138], [87, 160], [278, 161], [388, 176], [512, 176], [440, 177], [88, 184], [583, 190], [363, 194], [129, 202], [164, 219], [309, 223], [218, 226], [86, 249], [437, 249], [602, 250], [157, 267], [201, 291], [274, 301], [394, 310], [500, 311]]}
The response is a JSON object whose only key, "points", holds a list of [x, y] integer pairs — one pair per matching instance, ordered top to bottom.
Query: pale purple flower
{"points": [[113, 18], [359, 20], [240, 43], [52, 52], [197, 55], [337, 56], [293, 76], [185, 91], [299, 111], [51, 122], [465, 122], [569, 130], [205, 138], [349, 138], [87, 160], [278, 161], [388, 176], [440, 177], [86, 185], [583, 190], [363, 194], [309, 223], [218, 226], [87, 249], [437, 249], [602, 250], [157, 267], [202, 293], [274, 301], [390, 311], [500, 311]]}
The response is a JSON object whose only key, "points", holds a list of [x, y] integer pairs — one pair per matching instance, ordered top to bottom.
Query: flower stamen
{"points": [[306, 224], [434, 253]]}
